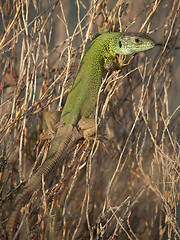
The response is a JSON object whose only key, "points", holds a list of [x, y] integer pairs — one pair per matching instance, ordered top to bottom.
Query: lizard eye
{"points": [[137, 40], [120, 44]]}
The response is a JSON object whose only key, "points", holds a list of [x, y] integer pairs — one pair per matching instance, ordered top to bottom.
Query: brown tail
{"points": [[61, 144], [21, 199]]}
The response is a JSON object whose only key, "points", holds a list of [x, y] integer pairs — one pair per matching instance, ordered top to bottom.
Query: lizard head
{"points": [[130, 43]]}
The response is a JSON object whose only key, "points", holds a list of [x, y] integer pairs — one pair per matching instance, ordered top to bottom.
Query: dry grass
{"points": [[126, 187]]}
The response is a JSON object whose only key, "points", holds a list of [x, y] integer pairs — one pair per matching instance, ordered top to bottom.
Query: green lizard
{"points": [[74, 122]]}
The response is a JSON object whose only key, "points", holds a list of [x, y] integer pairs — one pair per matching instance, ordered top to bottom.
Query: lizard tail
{"points": [[61, 144], [19, 203]]}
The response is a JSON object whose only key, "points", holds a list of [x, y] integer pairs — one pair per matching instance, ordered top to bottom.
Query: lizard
{"points": [[75, 122]]}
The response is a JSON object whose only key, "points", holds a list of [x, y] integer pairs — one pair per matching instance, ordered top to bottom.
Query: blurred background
{"points": [[124, 185]]}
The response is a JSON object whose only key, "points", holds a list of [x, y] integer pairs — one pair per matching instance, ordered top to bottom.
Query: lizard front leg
{"points": [[113, 63]]}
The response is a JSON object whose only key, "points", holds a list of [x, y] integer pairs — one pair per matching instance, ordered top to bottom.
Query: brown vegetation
{"points": [[125, 186]]}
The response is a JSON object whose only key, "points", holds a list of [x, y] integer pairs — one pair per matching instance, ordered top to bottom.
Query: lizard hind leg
{"points": [[52, 118], [87, 125], [89, 129]]}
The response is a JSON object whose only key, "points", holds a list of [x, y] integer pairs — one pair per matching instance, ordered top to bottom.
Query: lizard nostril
{"points": [[120, 44]]}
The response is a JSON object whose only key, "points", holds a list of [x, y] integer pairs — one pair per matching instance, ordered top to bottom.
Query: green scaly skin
{"points": [[80, 104]]}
